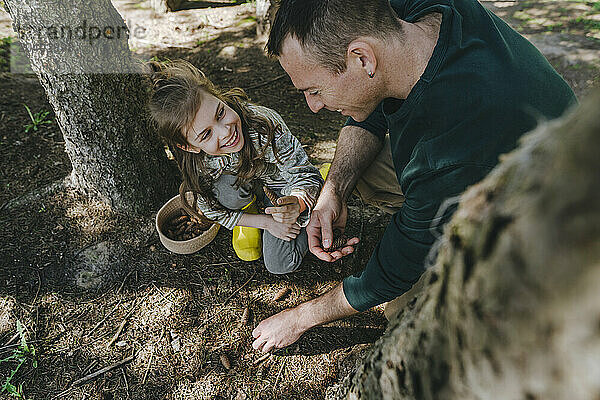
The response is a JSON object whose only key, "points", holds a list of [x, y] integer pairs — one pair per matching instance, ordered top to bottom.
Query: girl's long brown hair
{"points": [[177, 89]]}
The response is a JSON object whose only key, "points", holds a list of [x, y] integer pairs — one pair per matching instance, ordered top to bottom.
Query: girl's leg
{"points": [[229, 196], [246, 241], [282, 257]]}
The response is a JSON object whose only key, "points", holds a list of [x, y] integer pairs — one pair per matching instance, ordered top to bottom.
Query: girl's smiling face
{"points": [[216, 130]]}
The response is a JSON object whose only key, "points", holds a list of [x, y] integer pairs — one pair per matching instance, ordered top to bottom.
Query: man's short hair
{"points": [[325, 28]]}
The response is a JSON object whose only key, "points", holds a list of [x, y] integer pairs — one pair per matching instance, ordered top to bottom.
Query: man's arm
{"points": [[356, 150], [285, 328]]}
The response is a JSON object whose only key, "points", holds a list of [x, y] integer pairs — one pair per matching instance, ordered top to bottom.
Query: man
{"points": [[452, 84]]}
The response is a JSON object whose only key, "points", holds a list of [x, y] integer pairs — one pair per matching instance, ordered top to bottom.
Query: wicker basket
{"points": [[171, 209]]}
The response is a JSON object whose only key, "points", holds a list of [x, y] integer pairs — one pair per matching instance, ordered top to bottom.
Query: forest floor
{"points": [[178, 315]]}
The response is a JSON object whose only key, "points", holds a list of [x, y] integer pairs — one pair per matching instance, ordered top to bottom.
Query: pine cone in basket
{"points": [[184, 227]]}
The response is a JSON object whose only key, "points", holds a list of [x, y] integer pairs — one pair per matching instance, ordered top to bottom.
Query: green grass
{"points": [[523, 16], [248, 19], [565, 22], [588, 24], [591, 24], [555, 27], [4, 45], [576, 67], [37, 120], [19, 356]]}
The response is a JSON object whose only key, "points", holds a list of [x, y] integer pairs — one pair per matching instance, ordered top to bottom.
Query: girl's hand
{"points": [[286, 211], [285, 232]]}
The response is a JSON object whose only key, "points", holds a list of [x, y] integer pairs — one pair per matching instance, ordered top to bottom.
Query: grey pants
{"points": [[280, 256]]}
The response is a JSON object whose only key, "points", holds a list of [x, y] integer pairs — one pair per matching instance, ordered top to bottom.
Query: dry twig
{"points": [[123, 283], [38, 288], [238, 289], [129, 314], [245, 317], [103, 319], [121, 326], [15, 337], [261, 358], [149, 364], [89, 367], [103, 370], [279, 375], [126, 383], [63, 393]]}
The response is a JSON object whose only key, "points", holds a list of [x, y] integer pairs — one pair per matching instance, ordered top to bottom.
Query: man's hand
{"points": [[286, 211], [329, 213], [278, 331]]}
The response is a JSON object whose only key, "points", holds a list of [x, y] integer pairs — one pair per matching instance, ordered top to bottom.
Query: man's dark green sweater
{"points": [[484, 86]]}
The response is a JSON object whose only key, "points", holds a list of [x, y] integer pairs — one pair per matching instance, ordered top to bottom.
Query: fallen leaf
{"points": [[281, 294], [225, 361]]}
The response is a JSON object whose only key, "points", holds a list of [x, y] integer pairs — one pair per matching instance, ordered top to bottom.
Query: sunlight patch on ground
{"points": [[503, 4], [572, 17], [186, 28], [554, 46], [228, 52], [323, 151], [91, 217], [94, 263], [265, 293], [160, 307], [7, 308], [205, 388]]}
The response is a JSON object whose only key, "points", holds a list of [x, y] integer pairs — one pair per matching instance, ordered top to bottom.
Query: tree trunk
{"points": [[164, 6], [265, 12], [79, 51], [511, 309]]}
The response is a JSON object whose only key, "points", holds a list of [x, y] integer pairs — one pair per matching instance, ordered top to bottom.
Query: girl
{"points": [[227, 149]]}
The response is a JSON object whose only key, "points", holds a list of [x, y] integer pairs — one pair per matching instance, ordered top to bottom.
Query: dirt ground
{"points": [[178, 315]]}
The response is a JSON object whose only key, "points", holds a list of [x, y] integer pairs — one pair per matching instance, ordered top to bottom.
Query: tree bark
{"points": [[164, 6], [265, 12], [79, 51], [511, 308]]}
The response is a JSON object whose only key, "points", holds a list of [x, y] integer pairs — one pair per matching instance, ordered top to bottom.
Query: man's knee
{"points": [[378, 185], [389, 203], [393, 307]]}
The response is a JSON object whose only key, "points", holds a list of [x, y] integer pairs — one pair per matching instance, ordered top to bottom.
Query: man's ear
{"points": [[362, 55]]}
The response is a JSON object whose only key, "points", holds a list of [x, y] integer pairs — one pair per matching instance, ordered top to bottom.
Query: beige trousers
{"points": [[378, 186]]}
